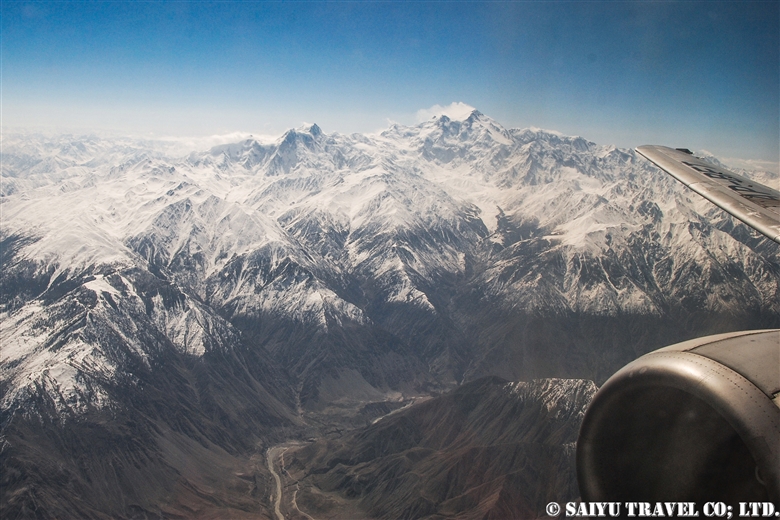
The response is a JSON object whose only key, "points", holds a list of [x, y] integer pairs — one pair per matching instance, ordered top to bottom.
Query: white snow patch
{"points": [[100, 285], [28, 364]]}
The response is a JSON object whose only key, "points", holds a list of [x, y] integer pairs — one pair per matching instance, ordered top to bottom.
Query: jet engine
{"points": [[698, 421]]}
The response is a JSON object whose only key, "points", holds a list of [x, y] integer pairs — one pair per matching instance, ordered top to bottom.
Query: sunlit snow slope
{"points": [[421, 253]]}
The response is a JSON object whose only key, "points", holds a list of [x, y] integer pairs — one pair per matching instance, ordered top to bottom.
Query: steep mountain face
{"points": [[228, 296], [128, 396], [490, 449]]}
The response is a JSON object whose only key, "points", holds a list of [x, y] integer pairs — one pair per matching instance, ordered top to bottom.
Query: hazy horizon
{"points": [[704, 75]]}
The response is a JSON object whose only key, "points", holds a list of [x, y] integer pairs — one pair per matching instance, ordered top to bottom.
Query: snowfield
{"points": [[329, 230]]}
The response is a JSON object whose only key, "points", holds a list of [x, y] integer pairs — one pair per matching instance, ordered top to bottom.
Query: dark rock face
{"points": [[490, 449], [115, 466]]}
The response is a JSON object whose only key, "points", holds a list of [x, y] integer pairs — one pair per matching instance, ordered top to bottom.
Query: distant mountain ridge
{"points": [[259, 284]]}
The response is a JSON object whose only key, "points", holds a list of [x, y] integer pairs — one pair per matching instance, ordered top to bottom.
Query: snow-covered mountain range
{"points": [[320, 271]]}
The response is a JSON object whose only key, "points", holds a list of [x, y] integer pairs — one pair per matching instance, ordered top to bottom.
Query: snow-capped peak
{"points": [[456, 111], [309, 128]]}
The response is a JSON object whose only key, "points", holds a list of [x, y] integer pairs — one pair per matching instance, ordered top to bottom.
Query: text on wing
{"points": [[761, 198]]}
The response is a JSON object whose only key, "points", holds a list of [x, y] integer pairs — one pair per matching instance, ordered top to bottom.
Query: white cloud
{"points": [[457, 111], [182, 145], [753, 164]]}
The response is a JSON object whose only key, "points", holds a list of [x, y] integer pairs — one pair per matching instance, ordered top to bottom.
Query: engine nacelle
{"points": [[694, 422]]}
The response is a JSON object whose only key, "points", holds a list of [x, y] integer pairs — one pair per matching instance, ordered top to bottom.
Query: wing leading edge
{"points": [[756, 205]]}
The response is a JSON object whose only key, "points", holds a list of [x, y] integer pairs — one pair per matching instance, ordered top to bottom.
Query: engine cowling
{"points": [[698, 421]]}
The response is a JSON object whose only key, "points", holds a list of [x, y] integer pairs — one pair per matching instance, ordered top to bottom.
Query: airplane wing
{"points": [[756, 205]]}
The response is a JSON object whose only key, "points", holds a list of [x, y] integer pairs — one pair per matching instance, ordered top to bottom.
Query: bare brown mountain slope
{"points": [[491, 449]]}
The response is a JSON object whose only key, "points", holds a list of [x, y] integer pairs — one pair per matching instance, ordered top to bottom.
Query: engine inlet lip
{"points": [[748, 410]]}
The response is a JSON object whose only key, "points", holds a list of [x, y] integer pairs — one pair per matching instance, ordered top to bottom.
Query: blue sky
{"points": [[705, 75]]}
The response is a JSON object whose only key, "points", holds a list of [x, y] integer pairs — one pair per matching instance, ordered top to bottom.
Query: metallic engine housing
{"points": [[697, 421]]}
